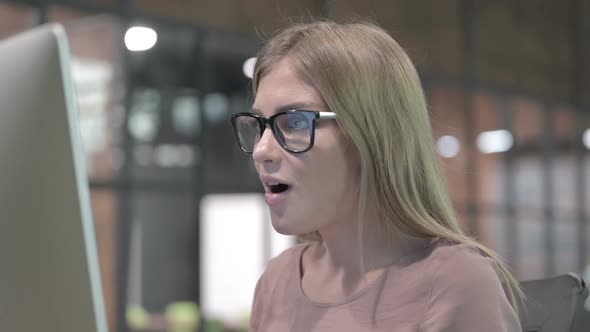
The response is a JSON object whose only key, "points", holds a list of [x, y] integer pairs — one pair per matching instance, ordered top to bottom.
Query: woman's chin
{"points": [[286, 228], [283, 229]]}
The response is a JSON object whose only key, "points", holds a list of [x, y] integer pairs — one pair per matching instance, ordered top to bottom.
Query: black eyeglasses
{"points": [[294, 130]]}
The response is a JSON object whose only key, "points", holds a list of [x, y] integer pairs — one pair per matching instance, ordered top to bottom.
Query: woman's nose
{"points": [[267, 149]]}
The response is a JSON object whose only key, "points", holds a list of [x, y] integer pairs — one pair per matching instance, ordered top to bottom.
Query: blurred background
{"points": [[183, 232]]}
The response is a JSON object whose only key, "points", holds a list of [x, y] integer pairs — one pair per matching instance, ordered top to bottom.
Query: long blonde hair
{"points": [[368, 80]]}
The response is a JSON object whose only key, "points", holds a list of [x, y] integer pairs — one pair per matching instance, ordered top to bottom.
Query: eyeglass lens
{"points": [[293, 131]]}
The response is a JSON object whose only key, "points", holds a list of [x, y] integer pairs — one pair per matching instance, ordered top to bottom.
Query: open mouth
{"points": [[277, 188]]}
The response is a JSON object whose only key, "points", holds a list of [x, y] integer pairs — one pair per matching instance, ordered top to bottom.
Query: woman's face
{"points": [[322, 182]]}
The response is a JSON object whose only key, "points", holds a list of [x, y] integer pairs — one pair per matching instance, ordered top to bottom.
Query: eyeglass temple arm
{"points": [[327, 115]]}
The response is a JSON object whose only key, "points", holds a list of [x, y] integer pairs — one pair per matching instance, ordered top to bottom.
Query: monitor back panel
{"points": [[49, 278]]}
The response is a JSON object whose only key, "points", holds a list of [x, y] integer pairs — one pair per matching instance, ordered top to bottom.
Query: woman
{"points": [[340, 136]]}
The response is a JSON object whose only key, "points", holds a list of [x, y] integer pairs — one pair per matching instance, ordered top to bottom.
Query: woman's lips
{"points": [[274, 199]]}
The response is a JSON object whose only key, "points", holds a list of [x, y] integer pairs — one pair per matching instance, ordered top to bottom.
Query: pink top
{"points": [[445, 287]]}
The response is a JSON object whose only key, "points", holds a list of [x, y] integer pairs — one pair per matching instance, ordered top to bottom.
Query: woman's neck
{"points": [[341, 251]]}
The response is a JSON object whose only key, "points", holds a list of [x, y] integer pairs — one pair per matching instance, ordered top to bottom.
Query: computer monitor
{"points": [[49, 272]]}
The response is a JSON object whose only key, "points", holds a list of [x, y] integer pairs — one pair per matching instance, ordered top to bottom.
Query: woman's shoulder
{"points": [[449, 257], [287, 259], [461, 264], [462, 273], [466, 290]]}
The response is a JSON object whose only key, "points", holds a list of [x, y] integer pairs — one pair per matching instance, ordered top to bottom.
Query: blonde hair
{"points": [[368, 80]]}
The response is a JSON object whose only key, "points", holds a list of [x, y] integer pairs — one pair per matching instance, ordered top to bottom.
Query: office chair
{"points": [[553, 304], [582, 323]]}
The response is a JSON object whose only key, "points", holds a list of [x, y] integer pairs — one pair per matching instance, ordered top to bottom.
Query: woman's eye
{"points": [[298, 124]]}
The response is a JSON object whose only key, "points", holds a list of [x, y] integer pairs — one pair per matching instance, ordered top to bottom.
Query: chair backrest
{"points": [[552, 304], [583, 322]]}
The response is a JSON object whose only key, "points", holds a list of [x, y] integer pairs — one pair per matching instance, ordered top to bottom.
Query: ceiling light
{"points": [[140, 38], [248, 67], [495, 141], [448, 146]]}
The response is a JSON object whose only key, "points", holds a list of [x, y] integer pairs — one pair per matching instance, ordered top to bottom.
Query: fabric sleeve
{"points": [[467, 295], [258, 309]]}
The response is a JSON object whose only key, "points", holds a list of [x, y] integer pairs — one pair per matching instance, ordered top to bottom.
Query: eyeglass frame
{"points": [[263, 122]]}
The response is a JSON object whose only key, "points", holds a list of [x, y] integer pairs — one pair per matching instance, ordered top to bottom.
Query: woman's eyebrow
{"points": [[293, 106]]}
